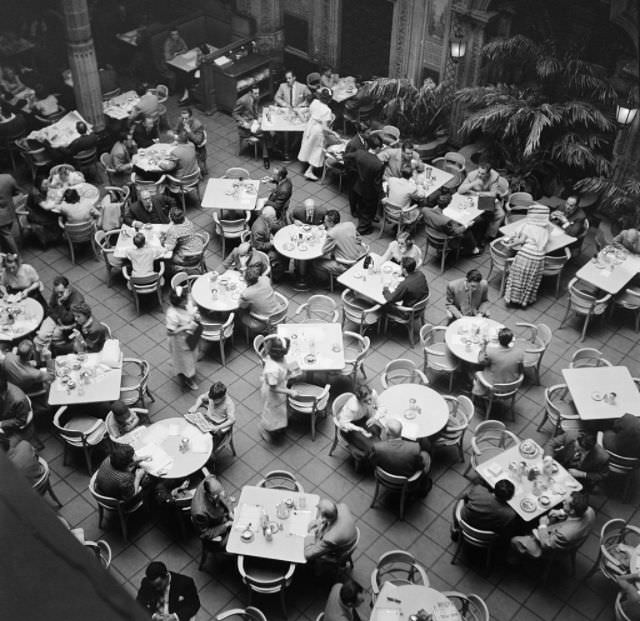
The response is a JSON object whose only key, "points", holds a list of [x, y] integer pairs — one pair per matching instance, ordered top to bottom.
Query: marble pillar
{"points": [[325, 32], [270, 33], [83, 63]]}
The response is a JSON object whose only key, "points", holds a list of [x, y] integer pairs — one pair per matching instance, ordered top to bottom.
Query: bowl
{"points": [[597, 396], [544, 500], [528, 505], [246, 536]]}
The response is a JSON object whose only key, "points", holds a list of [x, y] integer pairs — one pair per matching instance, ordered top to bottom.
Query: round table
{"points": [[86, 191], [300, 243], [216, 295], [30, 316], [463, 343], [431, 418], [167, 434], [412, 598]]}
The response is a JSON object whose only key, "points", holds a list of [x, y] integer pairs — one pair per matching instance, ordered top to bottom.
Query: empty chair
{"points": [[456, 159], [237, 172], [183, 186], [517, 206], [397, 215], [230, 229], [78, 233], [106, 242], [443, 244], [501, 261], [554, 266], [144, 285], [629, 299], [584, 304], [317, 309], [358, 311], [411, 317], [218, 332], [535, 345], [356, 348], [437, 356], [588, 357], [402, 371], [134, 385], [505, 391], [312, 401], [336, 407], [559, 410], [461, 412], [79, 431], [489, 439], [621, 466], [281, 479], [396, 483], [43, 484], [123, 508], [613, 533], [480, 539], [101, 550], [398, 567], [266, 577], [470, 607], [618, 608], [247, 614]]}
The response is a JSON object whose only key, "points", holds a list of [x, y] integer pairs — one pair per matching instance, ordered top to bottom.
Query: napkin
{"points": [[110, 354], [199, 444], [160, 461], [248, 514], [299, 523]]}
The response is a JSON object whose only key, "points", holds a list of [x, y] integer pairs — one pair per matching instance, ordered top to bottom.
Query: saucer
{"points": [[309, 358], [597, 396], [247, 536]]}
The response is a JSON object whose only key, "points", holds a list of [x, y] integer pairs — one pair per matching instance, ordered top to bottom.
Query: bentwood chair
{"points": [[107, 165], [184, 186], [397, 215], [230, 229], [79, 233], [106, 242], [444, 244], [501, 261], [554, 266], [144, 285], [629, 300], [584, 304], [318, 308], [359, 312], [412, 317], [218, 332], [534, 344], [260, 345], [437, 356], [588, 357], [402, 371], [134, 385], [505, 391], [312, 401], [336, 407], [559, 410], [461, 412], [79, 431], [490, 438], [621, 466], [281, 479], [396, 483], [43, 484], [474, 537], [101, 550], [613, 562], [399, 568], [266, 577], [470, 607], [619, 611], [246, 614]]}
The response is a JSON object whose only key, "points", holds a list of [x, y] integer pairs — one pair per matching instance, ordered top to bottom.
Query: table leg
{"points": [[286, 155], [301, 283]]}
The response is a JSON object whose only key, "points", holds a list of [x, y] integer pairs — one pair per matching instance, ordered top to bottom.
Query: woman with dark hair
{"points": [[312, 146], [20, 278], [182, 319], [274, 389], [358, 419], [119, 475]]}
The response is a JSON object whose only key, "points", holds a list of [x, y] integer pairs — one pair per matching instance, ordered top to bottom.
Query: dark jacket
{"points": [[143, 138], [83, 143], [369, 168], [280, 196], [159, 214], [436, 220], [261, 232], [409, 291], [56, 307], [94, 334], [624, 438], [400, 457], [594, 462], [484, 511], [183, 596]]}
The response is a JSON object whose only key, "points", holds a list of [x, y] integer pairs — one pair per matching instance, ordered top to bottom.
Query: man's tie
{"points": [[291, 95], [310, 215]]}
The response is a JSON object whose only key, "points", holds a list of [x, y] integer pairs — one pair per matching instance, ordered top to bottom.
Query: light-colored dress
{"points": [[312, 146], [24, 277], [184, 359], [274, 409]]}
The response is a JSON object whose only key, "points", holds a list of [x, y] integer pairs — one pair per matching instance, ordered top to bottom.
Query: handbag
{"points": [[193, 336]]}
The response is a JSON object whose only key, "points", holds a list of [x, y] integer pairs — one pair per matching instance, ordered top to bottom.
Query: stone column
{"points": [[325, 32], [270, 33], [406, 57], [82, 61]]}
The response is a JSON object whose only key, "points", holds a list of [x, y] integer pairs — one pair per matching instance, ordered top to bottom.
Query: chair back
{"points": [[162, 92], [85, 158], [456, 159], [107, 163], [55, 170], [236, 172], [181, 184], [153, 187], [520, 199], [399, 214], [231, 229], [79, 232], [435, 238], [106, 241], [500, 259], [554, 265], [182, 279], [149, 283], [630, 299], [584, 303], [318, 308], [354, 309], [407, 314], [279, 316], [216, 331], [260, 344], [356, 347], [588, 357], [138, 371], [402, 371], [505, 390], [339, 403], [309, 404], [559, 407], [461, 411], [490, 435], [75, 437], [621, 465], [281, 479], [394, 481], [40, 485], [114, 504], [612, 534], [474, 536], [102, 551], [398, 567], [260, 582], [470, 607], [248, 614], [621, 615]]}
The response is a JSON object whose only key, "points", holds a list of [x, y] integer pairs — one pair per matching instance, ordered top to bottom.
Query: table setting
{"points": [[120, 107], [279, 119], [61, 133], [156, 158], [231, 194], [463, 209], [153, 234], [300, 242], [371, 281], [218, 292], [18, 317], [466, 336], [314, 346], [540, 481], [413, 602]]}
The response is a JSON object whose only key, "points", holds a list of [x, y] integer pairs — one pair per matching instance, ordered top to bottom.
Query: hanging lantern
{"points": [[457, 46], [625, 113]]}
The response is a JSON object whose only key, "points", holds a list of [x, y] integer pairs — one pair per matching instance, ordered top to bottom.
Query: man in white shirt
{"points": [[402, 191], [143, 256]]}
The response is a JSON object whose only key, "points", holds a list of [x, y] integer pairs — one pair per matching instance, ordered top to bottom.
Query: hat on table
{"points": [[313, 80]]}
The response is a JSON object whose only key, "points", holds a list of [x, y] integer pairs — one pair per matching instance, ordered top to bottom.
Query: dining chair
{"points": [[251, 141], [456, 159], [37, 160], [86, 161], [106, 161], [333, 165], [453, 169], [236, 172], [183, 186], [153, 187], [517, 206], [397, 215], [230, 229], [76, 233], [106, 242], [442, 244], [576, 247], [501, 261], [195, 262], [554, 266], [333, 277], [183, 279], [144, 285], [629, 300], [584, 304], [317, 309], [358, 311], [411, 317], [270, 322], [218, 332], [260, 343], [534, 343], [356, 349], [437, 356], [588, 357], [402, 371], [134, 384], [499, 391], [311, 401], [336, 407], [559, 410], [461, 411], [109, 421], [79, 431], [490, 438], [621, 466], [281, 479], [395, 483], [43, 484], [122, 508], [480, 539], [101, 550], [612, 562], [399, 568], [266, 577], [470, 607], [618, 609], [246, 614]]}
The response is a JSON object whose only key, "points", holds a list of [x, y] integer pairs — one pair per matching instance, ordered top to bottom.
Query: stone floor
{"points": [[510, 593]]}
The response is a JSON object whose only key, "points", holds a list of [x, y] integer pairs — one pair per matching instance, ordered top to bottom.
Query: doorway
{"points": [[366, 37]]}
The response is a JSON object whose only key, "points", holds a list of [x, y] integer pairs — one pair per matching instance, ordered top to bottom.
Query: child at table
{"points": [[220, 410]]}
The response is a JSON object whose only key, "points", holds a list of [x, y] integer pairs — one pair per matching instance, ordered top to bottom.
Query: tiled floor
{"points": [[509, 593]]}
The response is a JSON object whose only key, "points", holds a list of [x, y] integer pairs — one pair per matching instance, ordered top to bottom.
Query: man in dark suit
{"points": [[246, 114], [145, 133], [84, 141], [357, 143], [368, 186], [280, 196], [149, 209], [307, 213], [435, 219], [412, 289], [467, 297], [502, 363], [624, 438], [579, 453], [402, 457], [487, 510], [165, 593]]}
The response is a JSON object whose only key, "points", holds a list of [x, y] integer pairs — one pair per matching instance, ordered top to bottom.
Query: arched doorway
{"points": [[366, 37]]}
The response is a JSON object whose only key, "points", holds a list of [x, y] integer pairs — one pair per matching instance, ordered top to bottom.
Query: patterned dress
{"points": [[526, 270], [274, 410]]}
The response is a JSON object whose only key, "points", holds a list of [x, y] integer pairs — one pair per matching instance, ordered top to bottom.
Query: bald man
{"points": [[307, 213], [262, 231], [241, 257], [402, 457], [332, 533]]}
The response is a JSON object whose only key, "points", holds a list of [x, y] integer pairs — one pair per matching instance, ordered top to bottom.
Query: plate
{"points": [[303, 247], [309, 358], [597, 396], [528, 449], [544, 500], [528, 505]]}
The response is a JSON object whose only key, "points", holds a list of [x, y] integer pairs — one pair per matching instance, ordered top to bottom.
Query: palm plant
{"points": [[551, 114], [617, 201]]}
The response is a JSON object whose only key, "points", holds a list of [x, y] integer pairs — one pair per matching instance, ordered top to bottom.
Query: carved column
{"points": [[326, 31], [270, 33], [406, 57], [82, 61]]}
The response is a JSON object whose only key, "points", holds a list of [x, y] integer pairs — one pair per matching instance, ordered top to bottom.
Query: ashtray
{"points": [[357, 274], [336, 348], [310, 358], [597, 396], [410, 414], [528, 448], [544, 500], [527, 505], [274, 528], [247, 536]]}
